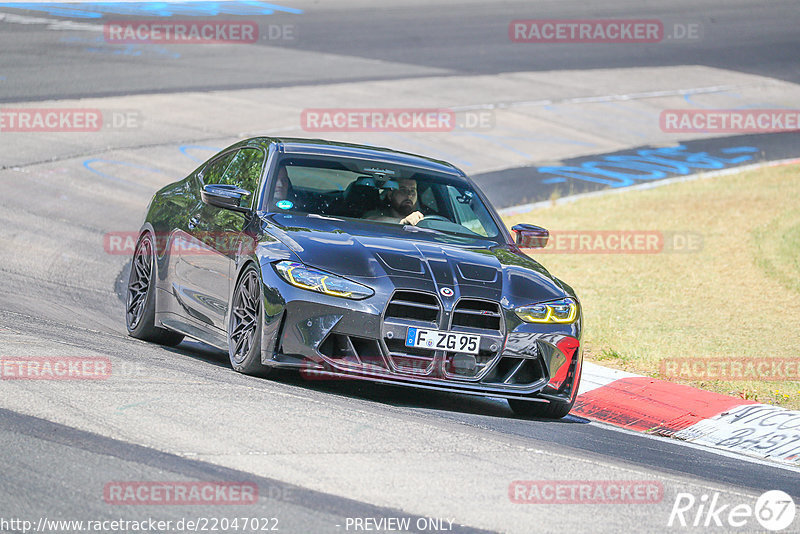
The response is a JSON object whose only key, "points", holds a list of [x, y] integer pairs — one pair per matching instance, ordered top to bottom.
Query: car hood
{"points": [[365, 250]]}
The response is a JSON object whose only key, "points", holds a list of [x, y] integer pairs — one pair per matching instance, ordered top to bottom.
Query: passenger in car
{"points": [[283, 186], [402, 205]]}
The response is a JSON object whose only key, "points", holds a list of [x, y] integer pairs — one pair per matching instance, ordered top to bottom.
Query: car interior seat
{"points": [[361, 196]]}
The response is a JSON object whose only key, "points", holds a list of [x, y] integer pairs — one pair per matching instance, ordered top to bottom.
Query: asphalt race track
{"points": [[426, 38], [323, 454]]}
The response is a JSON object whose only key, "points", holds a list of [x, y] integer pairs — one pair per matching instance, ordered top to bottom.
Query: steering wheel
{"points": [[434, 218]]}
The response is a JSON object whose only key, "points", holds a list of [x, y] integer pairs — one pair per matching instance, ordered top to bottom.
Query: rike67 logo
{"points": [[774, 510]]}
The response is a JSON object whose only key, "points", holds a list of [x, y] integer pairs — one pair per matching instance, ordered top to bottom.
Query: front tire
{"points": [[140, 302], [245, 324], [551, 410]]}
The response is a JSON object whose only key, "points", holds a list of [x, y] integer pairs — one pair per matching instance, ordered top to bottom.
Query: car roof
{"points": [[321, 147]]}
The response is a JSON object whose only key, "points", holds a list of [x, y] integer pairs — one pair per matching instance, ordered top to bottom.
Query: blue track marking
{"points": [[191, 8], [184, 149], [89, 164], [646, 165]]}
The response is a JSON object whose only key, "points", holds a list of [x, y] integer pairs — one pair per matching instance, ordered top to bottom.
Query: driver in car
{"points": [[402, 206]]}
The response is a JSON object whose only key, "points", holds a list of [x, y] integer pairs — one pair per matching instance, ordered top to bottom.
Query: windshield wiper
{"points": [[325, 217]]}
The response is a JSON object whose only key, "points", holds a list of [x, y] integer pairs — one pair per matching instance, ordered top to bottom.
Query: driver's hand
{"points": [[413, 218]]}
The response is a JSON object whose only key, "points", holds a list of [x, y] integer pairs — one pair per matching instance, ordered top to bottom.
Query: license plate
{"points": [[438, 340]]}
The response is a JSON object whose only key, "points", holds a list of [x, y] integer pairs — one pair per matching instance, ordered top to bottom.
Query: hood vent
{"points": [[401, 262], [477, 273]]}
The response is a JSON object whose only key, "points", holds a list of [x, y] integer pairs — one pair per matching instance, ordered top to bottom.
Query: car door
{"points": [[212, 235]]}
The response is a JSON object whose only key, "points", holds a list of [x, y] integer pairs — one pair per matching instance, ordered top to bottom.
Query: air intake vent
{"points": [[413, 305], [477, 314], [353, 350], [408, 359], [516, 372]]}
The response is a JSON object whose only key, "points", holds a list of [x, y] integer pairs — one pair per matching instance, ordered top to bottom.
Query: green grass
{"points": [[777, 244], [737, 297]]}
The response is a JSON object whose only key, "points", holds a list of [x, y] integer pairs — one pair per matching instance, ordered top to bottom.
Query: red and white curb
{"points": [[663, 408]]}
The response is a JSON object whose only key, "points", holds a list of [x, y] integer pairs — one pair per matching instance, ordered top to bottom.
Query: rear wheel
{"points": [[140, 302], [244, 325]]}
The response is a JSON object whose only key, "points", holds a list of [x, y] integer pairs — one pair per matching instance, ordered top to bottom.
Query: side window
{"points": [[245, 169], [215, 170]]}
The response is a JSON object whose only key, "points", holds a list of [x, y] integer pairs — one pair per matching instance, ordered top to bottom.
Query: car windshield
{"points": [[379, 192]]}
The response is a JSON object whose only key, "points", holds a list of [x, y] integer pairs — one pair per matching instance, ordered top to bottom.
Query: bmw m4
{"points": [[348, 261]]}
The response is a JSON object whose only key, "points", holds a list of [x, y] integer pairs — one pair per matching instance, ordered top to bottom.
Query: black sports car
{"points": [[355, 262]]}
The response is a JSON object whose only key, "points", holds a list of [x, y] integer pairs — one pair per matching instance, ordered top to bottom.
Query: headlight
{"points": [[304, 277], [558, 311]]}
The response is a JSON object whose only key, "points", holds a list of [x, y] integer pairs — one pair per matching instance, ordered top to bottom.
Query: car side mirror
{"points": [[225, 196], [530, 235]]}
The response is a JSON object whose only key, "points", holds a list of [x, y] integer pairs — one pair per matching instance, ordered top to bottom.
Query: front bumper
{"points": [[334, 338]]}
